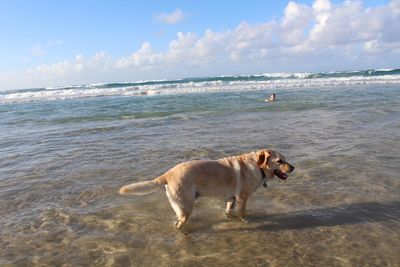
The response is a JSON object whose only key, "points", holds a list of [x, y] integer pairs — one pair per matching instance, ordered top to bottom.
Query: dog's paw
{"points": [[229, 215], [180, 222]]}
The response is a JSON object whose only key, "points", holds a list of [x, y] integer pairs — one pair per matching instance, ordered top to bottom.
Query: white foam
{"points": [[385, 70], [300, 75], [71, 92]]}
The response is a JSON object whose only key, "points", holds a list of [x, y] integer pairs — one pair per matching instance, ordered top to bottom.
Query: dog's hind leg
{"points": [[182, 206]]}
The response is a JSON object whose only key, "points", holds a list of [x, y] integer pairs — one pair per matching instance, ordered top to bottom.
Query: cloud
{"points": [[172, 18], [294, 23], [304, 32], [321, 36], [54, 43], [41, 49], [38, 51], [143, 57], [79, 68]]}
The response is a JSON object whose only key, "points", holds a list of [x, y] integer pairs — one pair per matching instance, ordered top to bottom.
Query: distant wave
{"points": [[206, 84]]}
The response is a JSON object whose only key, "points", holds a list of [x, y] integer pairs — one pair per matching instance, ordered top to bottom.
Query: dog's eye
{"points": [[279, 161]]}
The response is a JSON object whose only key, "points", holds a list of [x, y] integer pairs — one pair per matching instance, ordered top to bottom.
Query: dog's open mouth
{"points": [[280, 174]]}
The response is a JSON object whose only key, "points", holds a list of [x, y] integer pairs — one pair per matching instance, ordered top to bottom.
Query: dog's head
{"points": [[273, 163]]}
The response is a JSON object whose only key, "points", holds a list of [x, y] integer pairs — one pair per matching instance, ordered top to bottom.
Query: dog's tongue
{"points": [[284, 175]]}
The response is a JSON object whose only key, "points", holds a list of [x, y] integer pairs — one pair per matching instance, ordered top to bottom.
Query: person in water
{"points": [[271, 98]]}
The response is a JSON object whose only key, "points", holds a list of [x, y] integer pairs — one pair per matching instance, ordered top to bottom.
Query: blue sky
{"points": [[49, 43]]}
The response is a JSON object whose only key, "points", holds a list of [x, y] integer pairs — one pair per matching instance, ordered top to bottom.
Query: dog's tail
{"points": [[143, 188]]}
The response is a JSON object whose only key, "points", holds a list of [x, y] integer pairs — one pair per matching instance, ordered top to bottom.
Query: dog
{"points": [[232, 179]]}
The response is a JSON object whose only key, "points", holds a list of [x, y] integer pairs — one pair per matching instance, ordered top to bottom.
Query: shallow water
{"points": [[62, 162]]}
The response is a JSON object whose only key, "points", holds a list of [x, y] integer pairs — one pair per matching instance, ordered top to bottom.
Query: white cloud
{"points": [[171, 18], [294, 23], [307, 32], [321, 36], [54, 43], [38, 51], [145, 57], [79, 68]]}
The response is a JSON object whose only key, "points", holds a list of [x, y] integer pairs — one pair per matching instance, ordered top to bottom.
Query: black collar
{"points": [[263, 174], [264, 178]]}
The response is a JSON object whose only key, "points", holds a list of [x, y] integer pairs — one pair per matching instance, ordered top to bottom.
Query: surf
{"points": [[228, 83]]}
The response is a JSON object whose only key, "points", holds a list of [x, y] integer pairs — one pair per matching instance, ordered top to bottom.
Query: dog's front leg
{"points": [[230, 205], [242, 209]]}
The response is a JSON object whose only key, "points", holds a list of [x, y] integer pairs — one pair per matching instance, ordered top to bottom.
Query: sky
{"points": [[45, 43]]}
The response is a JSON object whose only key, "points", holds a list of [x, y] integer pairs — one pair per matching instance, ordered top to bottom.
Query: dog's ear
{"points": [[263, 158]]}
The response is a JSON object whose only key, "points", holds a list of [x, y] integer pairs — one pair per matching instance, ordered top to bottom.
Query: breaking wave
{"points": [[206, 84]]}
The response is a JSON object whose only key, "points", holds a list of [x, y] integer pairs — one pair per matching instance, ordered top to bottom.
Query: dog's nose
{"points": [[291, 168]]}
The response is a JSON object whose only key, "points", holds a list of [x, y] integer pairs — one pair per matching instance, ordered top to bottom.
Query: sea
{"points": [[66, 150]]}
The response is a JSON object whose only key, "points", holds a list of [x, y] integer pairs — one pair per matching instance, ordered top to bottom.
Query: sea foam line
{"points": [[174, 87]]}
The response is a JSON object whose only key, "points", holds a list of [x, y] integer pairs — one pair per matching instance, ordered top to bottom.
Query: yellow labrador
{"points": [[233, 179]]}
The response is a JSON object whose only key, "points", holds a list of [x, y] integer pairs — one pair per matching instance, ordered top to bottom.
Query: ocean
{"points": [[65, 151]]}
